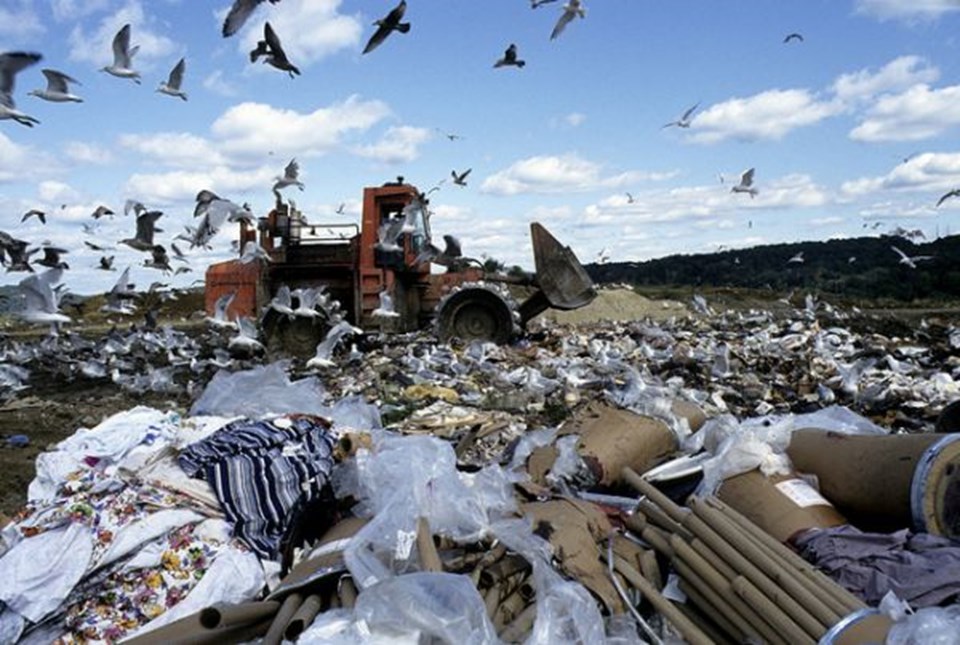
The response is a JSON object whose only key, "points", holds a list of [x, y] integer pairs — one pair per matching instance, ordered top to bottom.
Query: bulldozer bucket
{"points": [[560, 276]]}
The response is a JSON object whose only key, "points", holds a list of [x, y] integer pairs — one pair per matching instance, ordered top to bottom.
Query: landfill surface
{"points": [[479, 405]]}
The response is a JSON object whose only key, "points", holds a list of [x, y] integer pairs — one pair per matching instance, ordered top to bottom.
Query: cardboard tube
{"points": [[619, 438], [673, 511], [657, 517], [635, 522], [659, 540], [429, 558], [743, 566], [769, 566], [503, 568], [705, 569], [348, 592], [702, 595], [841, 598], [289, 607], [508, 610], [225, 616], [303, 617], [706, 618], [777, 618], [189, 631], [516, 631], [693, 634]]}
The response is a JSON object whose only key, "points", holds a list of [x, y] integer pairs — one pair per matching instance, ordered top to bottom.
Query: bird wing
{"points": [[238, 15], [565, 18], [378, 37], [273, 41], [121, 47], [511, 54], [10, 64], [176, 74], [57, 81], [686, 115], [292, 171], [746, 179], [946, 196], [133, 205], [145, 225], [452, 246], [903, 256]]}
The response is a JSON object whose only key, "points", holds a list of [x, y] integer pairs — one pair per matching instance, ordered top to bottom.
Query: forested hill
{"points": [[865, 267]]}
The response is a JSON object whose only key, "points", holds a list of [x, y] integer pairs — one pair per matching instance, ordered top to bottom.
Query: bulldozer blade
{"points": [[560, 276]]}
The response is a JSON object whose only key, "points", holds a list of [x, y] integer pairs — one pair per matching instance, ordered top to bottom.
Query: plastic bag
{"points": [[262, 391], [930, 626]]}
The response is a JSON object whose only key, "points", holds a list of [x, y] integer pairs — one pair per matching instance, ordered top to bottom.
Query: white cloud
{"points": [[907, 9], [68, 10], [19, 21], [309, 30], [97, 47], [896, 76], [216, 83], [918, 113], [768, 115], [258, 128], [398, 145], [177, 149], [88, 153], [13, 158], [929, 171], [557, 174], [182, 186], [57, 192], [826, 221]]}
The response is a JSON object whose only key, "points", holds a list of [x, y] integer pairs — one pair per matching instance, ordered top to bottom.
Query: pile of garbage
{"points": [[725, 478]]}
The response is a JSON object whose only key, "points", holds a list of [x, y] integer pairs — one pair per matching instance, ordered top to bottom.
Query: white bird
{"points": [[571, 10], [239, 13], [122, 56], [10, 64], [174, 81], [58, 89], [683, 121], [290, 177], [746, 184], [134, 205], [253, 251], [798, 258], [910, 261], [116, 298], [41, 299], [307, 300], [282, 301], [386, 308], [219, 318], [246, 339], [325, 348]]}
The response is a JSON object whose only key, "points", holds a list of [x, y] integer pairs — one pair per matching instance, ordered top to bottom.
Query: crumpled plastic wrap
{"points": [[259, 392], [929, 626]]}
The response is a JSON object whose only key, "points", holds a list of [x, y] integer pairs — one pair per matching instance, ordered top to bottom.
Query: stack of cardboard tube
{"points": [[743, 584]]}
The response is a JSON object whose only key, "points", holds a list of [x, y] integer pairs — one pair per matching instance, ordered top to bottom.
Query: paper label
{"points": [[801, 493], [405, 540]]}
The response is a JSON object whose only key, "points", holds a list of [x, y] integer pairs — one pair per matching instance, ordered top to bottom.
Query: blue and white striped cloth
{"points": [[259, 469]]}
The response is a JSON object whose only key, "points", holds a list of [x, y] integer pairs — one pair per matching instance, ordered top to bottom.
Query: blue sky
{"points": [[852, 131]]}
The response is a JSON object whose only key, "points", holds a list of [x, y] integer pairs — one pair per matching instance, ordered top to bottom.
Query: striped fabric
{"points": [[259, 469]]}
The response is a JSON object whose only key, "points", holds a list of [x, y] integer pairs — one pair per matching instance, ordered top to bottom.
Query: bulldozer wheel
{"points": [[475, 314], [295, 337]]}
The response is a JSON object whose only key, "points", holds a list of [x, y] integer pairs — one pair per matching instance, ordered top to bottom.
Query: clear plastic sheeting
{"points": [[260, 392], [404, 478], [440, 607], [930, 626]]}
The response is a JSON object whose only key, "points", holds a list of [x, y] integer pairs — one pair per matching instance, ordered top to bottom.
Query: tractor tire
{"points": [[475, 313], [293, 337]]}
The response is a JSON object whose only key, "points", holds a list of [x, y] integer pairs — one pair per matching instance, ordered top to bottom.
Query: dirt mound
{"points": [[618, 304]]}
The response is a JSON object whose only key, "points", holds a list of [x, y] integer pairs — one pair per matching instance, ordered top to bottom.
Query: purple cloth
{"points": [[920, 568]]}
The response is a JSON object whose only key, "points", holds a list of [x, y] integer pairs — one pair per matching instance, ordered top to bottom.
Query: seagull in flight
{"points": [[538, 3], [571, 10], [238, 15], [387, 25], [794, 36], [272, 51], [123, 55], [510, 58], [10, 64], [172, 86], [58, 88], [683, 121], [290, 177], [461, 178], [746, 184], [953, 193], [630, 199], [101, 211], [33, 212], [798, 258], [908, 260]]}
